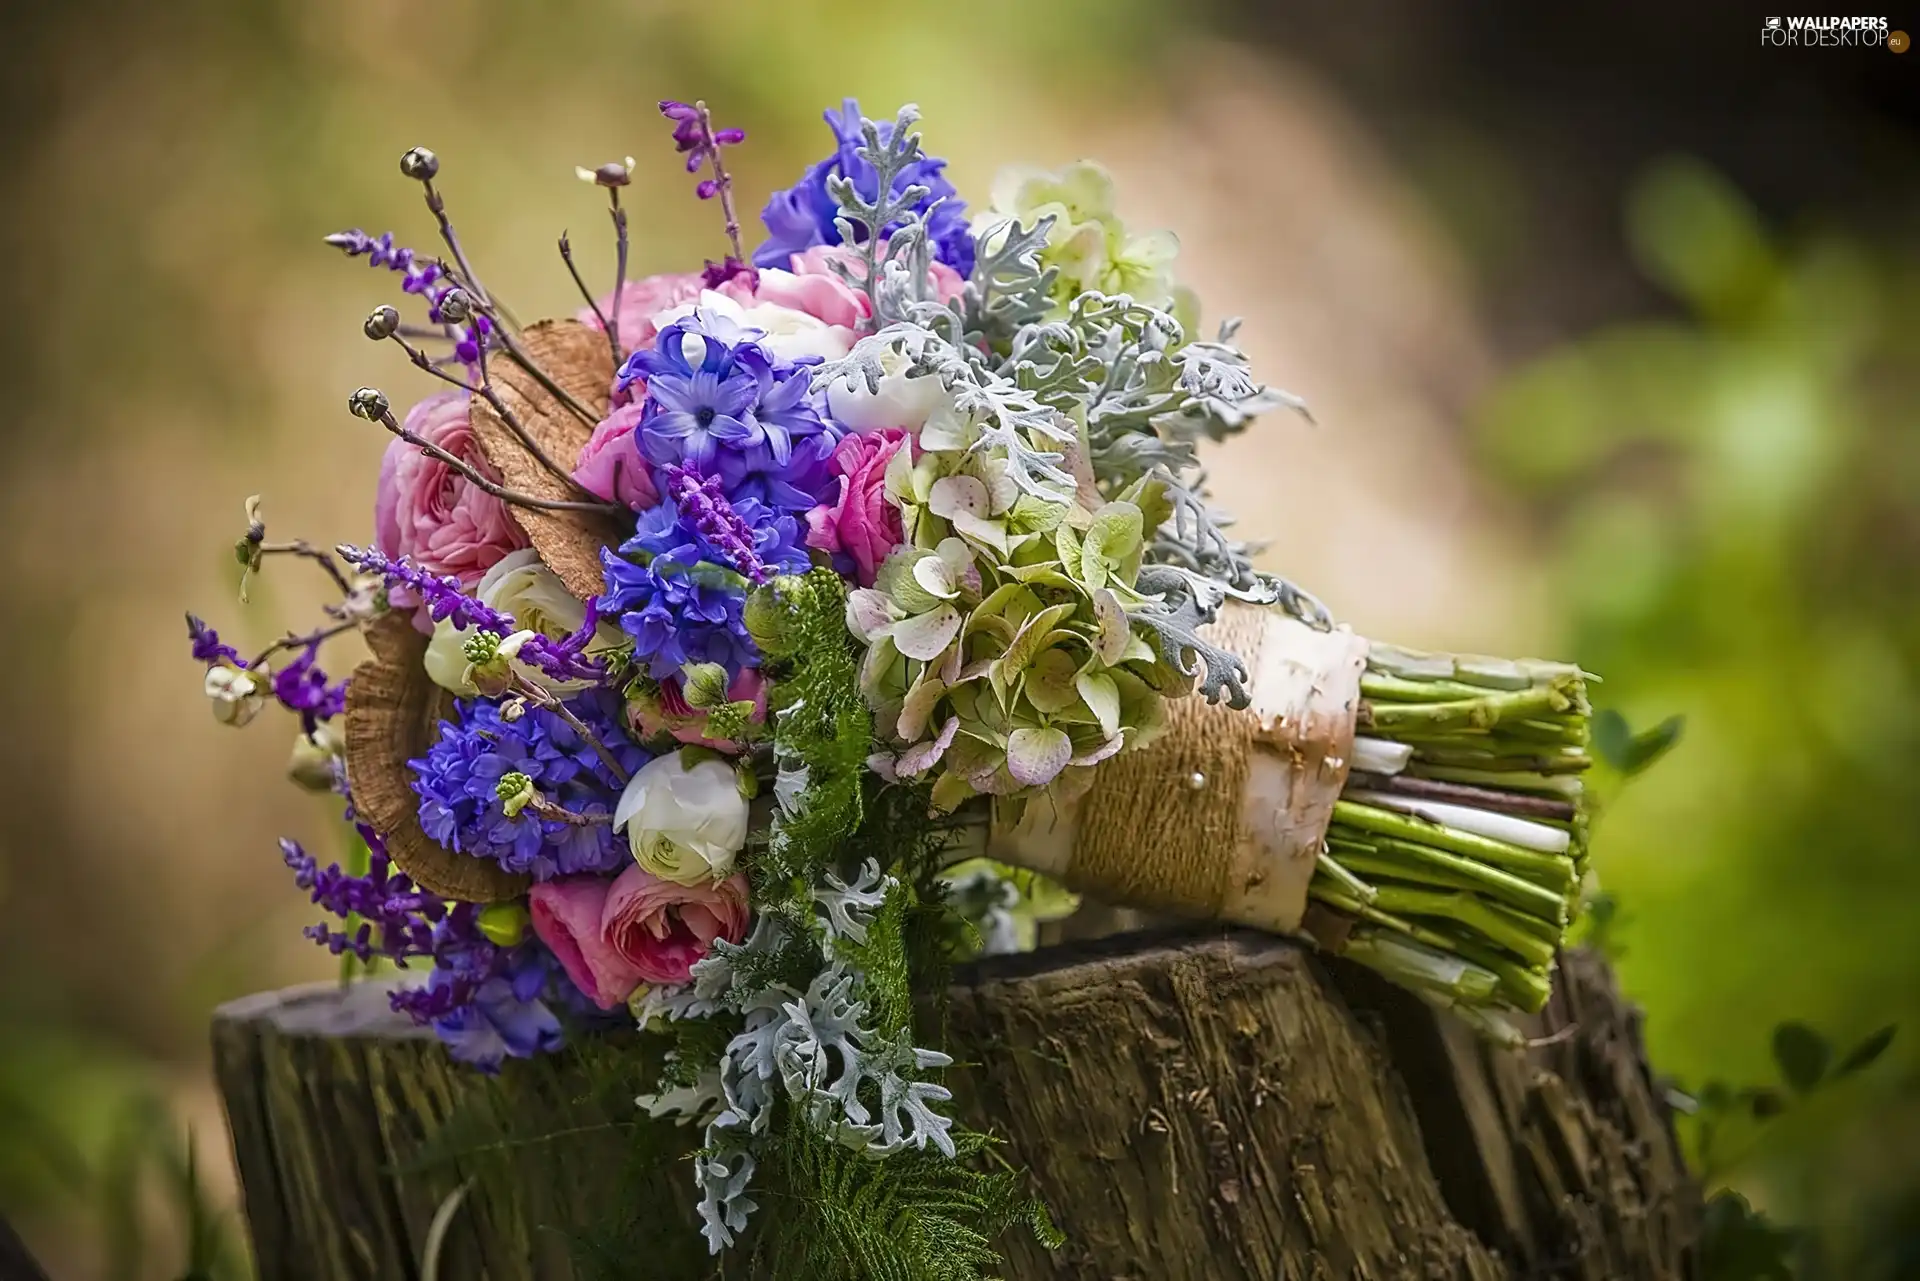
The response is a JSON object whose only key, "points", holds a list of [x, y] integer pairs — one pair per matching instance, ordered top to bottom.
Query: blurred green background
{"points": [[1610, 328]]}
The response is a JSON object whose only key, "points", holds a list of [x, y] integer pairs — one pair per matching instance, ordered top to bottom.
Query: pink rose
{"points": [[610, 462], [425, 510], [861, 521], [670, 711], [567, 915], [660, 929]]}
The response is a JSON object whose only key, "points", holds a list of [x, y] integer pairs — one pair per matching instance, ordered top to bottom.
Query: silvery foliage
{"points": [[892, 274], [1007, 420], [790, 777], [848, 908], [812, 1047]]}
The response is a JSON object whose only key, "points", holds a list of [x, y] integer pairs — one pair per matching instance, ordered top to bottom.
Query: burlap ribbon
{"points": [[1221, 816]]}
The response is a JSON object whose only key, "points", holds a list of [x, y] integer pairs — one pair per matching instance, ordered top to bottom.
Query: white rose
{"points": [[786, 333], [901, 401], [539, 602], [235, 695], [684, 822]]}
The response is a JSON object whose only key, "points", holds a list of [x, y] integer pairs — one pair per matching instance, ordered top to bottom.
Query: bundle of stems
{"points": [[1457, 848]]}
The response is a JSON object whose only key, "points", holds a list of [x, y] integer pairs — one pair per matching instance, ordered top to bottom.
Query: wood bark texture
{"points": [[1226, 1106]]}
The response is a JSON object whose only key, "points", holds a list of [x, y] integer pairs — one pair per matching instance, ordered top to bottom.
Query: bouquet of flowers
{"points": [[758, 639]]}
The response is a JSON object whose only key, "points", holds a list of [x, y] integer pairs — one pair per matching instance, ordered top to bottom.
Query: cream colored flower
{"points": [[539, 602], [236, 695], [685, 822]]}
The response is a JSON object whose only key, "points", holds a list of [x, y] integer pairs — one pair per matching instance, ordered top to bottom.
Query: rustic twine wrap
{"points": [[576, 357], [393, 714], [1223, 814]]}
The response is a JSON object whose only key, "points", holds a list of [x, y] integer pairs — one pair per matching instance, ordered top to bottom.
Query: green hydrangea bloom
{"points": [[1088, 243], [999, 652]]}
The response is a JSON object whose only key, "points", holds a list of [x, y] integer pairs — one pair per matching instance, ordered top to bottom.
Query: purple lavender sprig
{"points": [[696, 138], [421, 277], [702, 498], [443, 595], [447, 600], [207, 645], [567, 660], [301, 686], [397, 918], [484, 1001]]}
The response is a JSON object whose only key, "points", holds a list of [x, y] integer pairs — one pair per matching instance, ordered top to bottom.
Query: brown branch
{"points": [[606, 327], [473, 474], [561, 814]]}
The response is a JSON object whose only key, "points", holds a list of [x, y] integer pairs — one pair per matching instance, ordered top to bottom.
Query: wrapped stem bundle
{"points": [[1419, 813], [1458, 844]]}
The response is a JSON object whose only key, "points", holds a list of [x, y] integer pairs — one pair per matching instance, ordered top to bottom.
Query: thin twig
{"points": [[722, 181], [437, 206], [619, 270], [613, 336], [520, 358], [486, 392], [505, 495], [302, 547], [290, 641], [545, 698], [561, 814]]}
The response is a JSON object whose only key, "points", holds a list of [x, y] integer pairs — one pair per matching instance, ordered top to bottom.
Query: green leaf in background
{"points": [[1628, 752], [1863, 1054], [1803, 1055], [1738, 1243]]}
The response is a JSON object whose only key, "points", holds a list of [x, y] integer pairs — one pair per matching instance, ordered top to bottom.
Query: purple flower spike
{"points": [[695, 137], [702, 499], [442, 594], [207, 645], [302, 687], [397, 917]]}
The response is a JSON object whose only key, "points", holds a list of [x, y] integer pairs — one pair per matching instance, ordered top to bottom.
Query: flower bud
{"points": [[420, 164], [611, 174], [455, 306], [382, 324], [370, 404], [765, 619], [705, 684], [235, 695], [313, 764], [515, 792], [504, 924]]}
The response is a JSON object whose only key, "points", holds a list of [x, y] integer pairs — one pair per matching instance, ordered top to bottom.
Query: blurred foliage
{"points": [[1729, 504], [89, 1139]]}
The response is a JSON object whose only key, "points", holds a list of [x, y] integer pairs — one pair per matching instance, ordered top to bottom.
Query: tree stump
{"points": [[1192, 1104]]}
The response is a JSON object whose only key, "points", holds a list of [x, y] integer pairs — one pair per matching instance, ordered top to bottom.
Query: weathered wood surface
{"points": [[1192, 1105]]}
